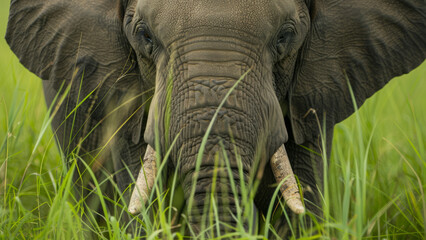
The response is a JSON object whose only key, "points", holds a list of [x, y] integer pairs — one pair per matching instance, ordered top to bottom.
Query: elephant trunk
{"points": [[238, 128], [246, 131], [208, 182], [213, 192]]}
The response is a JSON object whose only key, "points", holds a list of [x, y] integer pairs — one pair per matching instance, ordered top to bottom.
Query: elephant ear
{"points": [[360, 43], [79, 44]]}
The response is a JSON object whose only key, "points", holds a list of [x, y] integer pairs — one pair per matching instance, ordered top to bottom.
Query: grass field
{"points": [[374, 188]]}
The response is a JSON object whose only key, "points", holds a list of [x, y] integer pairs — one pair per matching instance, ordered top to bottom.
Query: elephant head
{"points": [[277, 69]]}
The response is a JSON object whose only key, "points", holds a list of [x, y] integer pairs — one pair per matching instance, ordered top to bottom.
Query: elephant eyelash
{"points": [[288, 28], [142, 29], [145, 34]]}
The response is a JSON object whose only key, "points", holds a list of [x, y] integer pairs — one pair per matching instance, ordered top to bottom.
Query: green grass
{"points": [[374, 189]]}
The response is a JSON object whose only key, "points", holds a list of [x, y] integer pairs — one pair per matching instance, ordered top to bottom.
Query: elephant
{"points": [[256, 85]]}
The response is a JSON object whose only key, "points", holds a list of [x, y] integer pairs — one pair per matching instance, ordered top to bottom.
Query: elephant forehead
{"points": [[260, 18]]}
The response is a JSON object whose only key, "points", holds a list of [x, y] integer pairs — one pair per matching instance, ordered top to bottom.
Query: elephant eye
{"points": [[144, 34], [144, 39], [284, 39]]}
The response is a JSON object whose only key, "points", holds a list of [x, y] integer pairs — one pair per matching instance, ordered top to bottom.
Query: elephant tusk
{"points": [[282, 169], [145, 182]]}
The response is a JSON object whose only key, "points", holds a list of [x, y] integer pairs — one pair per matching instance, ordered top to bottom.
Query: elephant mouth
{"points": [[280, 165]]}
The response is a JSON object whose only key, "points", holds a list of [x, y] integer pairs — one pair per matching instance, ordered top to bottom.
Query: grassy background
{"points": [[374, 187]]}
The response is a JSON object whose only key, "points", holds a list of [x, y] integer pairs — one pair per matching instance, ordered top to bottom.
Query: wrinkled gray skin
{"points": [[298, 53]]}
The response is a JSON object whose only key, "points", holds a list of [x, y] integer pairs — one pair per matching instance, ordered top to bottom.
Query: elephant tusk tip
{"points": [[282, 170], [144, 183], [296, 206], [134, 209], [298, 210]]}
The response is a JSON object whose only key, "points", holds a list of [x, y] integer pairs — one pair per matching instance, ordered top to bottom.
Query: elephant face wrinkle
{"points": [[257, 18], [196, 33], [204, 51], [202, 85], [196, 105]]}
